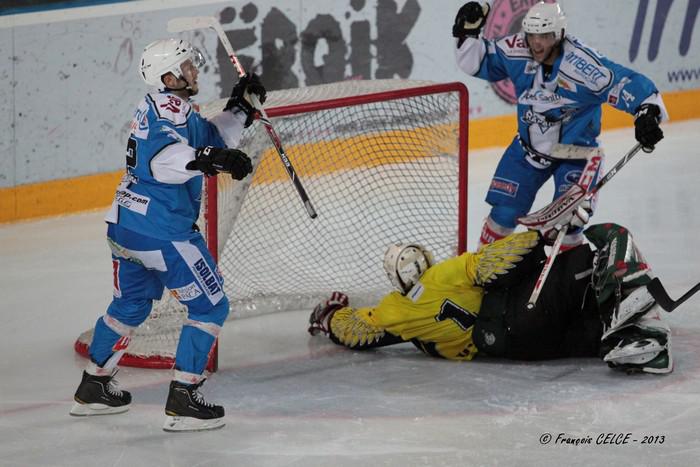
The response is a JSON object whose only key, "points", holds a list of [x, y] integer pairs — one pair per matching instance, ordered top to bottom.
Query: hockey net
{"points": [[382, 161]]}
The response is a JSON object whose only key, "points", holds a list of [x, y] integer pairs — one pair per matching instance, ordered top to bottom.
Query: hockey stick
{"points": [[204, 22], [575, 202], [545, 270], [657, 290]]}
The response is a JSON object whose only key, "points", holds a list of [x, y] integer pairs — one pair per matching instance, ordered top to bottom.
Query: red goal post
{"points": [[383, 161]]}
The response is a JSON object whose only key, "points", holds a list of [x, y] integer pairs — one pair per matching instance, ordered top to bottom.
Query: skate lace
{"points": [[113, 386], [200, 399]]}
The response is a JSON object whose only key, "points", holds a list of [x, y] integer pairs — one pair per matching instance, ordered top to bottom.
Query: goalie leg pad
{"points": [[619, 264], [636, 305], [643, 346]]}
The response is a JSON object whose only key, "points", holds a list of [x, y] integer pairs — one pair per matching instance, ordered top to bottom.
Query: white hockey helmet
{"points": [[543, 18], [163, 56], [404, 264]]}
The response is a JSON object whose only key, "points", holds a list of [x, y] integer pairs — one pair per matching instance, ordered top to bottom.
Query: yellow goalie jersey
{"points": [[437, 314]]}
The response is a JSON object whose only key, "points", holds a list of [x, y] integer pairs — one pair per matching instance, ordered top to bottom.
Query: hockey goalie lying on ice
{"points": [[594, 304]]}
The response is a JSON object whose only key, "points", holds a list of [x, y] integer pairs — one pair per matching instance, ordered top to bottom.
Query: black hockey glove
{"points": [[469, 21], [240, 96], [646, 126], [210, 161]]}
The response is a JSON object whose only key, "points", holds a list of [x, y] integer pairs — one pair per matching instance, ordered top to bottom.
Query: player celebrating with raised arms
{"points": [[560, 85], [154, 239]]}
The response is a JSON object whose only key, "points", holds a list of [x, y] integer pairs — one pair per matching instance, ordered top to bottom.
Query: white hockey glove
{"points": [[320, 319]]}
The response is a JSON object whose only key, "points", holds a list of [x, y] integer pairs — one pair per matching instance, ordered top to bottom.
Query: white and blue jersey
{"points": [[557, 104], [565, 106], [158, 197], [151, 235]]}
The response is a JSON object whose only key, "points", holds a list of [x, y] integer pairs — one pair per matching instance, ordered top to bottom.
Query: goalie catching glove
{"points": [[240, 100], [211, 161], [572, 210], [573, 221], [320, 319]]}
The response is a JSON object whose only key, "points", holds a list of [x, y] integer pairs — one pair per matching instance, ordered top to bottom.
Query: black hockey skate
{"points": [[99, 395], [186, 409]]}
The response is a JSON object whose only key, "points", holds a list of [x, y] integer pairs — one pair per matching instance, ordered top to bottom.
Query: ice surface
{"points": [[293, 400]]}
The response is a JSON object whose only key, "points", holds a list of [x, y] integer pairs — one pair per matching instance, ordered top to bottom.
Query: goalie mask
{"points": [[545, 18], [167, 56], [405, 264]]}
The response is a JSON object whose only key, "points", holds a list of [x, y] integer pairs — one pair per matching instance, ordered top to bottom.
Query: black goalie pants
{"points": [[564, 323]]}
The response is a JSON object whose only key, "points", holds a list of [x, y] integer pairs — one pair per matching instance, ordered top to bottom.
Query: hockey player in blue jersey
{"points": [[560, 85], [153, 236]]}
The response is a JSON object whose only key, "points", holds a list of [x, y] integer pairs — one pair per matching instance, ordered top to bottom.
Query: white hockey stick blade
{"points": [[190, 23]]}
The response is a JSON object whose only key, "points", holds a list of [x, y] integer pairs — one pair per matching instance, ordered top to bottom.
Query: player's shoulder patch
{"points": [[514, 46], [583, 66], [170, 108], [139, 122]]}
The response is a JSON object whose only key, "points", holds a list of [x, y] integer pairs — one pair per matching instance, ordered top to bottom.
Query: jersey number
{"points": [[131, 153], [461, 317]]}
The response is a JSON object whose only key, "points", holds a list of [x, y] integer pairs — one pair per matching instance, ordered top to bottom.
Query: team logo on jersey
{"points": [[506, 19], [172, 105], [534, 118], [140, 120], [504, 186], [186, 293]]}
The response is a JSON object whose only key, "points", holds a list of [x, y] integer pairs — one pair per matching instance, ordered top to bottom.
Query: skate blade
{"points": [[88, 410], [175, 424]]}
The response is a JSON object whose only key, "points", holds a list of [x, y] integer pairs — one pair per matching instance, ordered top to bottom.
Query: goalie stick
{"points": [[205, 22], [570, 203], [657, 290]]}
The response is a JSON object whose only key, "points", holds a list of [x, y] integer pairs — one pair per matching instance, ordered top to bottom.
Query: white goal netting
{"points": [[382, 161]]}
